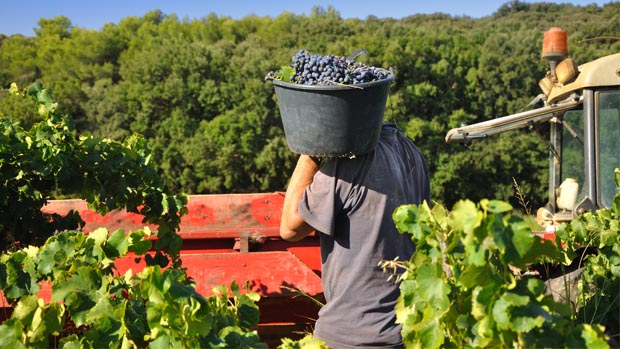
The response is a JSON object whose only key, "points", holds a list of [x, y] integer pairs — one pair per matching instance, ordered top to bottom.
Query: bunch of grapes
{"points": [[314, 69]]}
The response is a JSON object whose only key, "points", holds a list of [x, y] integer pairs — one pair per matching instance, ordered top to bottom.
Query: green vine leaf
{"points": [[495, 206], [465, 217], [410, 219], [139, 241], [118, 244], [51, 252], [475, 275], [21, 277], [431, 286], [26, 307], [501, 309], [49, 319], [12, 333], [593, 336], [234, 337], [307, 342]]}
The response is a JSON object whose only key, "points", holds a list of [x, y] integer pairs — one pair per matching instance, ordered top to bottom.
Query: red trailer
{"points": [[230, 237]]}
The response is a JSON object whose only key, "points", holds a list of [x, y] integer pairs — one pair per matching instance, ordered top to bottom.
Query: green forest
{"points": [[196, 89]]}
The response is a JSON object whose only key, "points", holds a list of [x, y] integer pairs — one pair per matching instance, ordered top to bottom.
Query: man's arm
{"points": [[292, 226]]}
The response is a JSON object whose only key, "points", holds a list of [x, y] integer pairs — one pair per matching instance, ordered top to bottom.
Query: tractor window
{"points": [[609, 143], [572, 149]]}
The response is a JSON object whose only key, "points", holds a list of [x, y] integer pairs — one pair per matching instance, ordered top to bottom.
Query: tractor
{"points": [[581, 103]]}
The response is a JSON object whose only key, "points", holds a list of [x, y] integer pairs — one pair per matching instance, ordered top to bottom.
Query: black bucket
{"points": [[335, 120]]}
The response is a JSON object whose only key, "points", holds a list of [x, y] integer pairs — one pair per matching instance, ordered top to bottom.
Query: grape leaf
{"points": [[285, 73], [465, 217], [119, 241], [140, 242], [51, 253], [432, 287], [502, 308], [11, 331]]}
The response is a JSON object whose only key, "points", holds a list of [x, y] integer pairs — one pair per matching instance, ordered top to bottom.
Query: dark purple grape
{"points": [[313, 69]]}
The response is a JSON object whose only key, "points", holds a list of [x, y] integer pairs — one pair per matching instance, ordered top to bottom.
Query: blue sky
{"points": [[21, 17]]}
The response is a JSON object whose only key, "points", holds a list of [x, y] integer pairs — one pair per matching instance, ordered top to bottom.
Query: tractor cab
{"points": [[582, 105]]}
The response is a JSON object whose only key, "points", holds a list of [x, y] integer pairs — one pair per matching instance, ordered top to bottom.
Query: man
{"points": [[349, 202]]}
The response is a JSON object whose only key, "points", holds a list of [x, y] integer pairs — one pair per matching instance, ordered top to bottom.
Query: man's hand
{"points": [[292, 226]]}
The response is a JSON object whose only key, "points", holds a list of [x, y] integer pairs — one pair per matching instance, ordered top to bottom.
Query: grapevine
{"points": [[315, 69], [468, 284], [91, 304]]}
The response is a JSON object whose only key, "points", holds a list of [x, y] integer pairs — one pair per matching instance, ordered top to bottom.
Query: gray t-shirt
{"points": [[350, 202]]}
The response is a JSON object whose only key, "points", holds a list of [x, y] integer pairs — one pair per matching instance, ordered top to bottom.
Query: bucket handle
{"points": [[354, 55]]}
